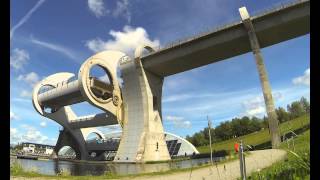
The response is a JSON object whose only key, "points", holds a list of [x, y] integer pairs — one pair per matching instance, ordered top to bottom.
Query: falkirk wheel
{"points": [[136, 106]]}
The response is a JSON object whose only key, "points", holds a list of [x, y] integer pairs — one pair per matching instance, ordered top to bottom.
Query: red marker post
{"points": [[236, 147]]}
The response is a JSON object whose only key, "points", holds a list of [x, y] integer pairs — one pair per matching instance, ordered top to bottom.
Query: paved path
{"points": [[256, 160], [228, 171]]}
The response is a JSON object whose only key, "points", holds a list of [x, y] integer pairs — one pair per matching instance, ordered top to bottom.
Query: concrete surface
{"points": [[256, 160]]}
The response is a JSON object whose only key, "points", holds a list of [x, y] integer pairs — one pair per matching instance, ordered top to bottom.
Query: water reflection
{"points": [[53, 167]]}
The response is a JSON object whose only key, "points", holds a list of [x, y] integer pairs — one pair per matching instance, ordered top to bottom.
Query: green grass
{"points": [[257, 137], [169, 161], [296, 166], [16, 169]]}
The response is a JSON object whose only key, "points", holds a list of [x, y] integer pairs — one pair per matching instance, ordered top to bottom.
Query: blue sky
{"points": [[57, 36]]}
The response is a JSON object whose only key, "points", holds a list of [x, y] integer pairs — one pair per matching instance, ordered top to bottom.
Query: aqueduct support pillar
{"points": [[267, 94], [143, 136]]}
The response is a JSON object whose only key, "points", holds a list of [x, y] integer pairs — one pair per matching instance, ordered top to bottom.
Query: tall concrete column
{"points": [[272, 116], [143, 136]]}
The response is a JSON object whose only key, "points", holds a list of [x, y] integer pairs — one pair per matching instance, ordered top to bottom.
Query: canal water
{"points": [[53, 167]]}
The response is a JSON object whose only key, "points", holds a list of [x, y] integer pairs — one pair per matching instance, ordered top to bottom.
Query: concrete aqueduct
{"points": [[137, 105]]}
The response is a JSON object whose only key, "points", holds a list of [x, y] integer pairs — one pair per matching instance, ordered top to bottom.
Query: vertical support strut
{"points": [[272, 116], [242, 162]]}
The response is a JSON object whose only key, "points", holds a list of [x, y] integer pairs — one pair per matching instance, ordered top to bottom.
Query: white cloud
{"points": [[97, 7], [122, 9], [25, 18], [125, 41], [95, 45], [55, 47], [19, 58], [31, 78], [105, 78], [303, 80], [175, 84], [25, 93], [202, 95], [183, 97], [21, 100], [216, 104], [256, 105], [256, 111], [13, 116], [174, 118], [179, 122], [43, 124], [186, 124], [110, 129], [13, 131], [28, 133], [14, 136], [34, 136], [52, 141]]}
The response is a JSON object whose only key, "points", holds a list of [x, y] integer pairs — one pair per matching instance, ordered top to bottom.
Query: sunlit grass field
{"points": [[259, 137], [297, 164]]}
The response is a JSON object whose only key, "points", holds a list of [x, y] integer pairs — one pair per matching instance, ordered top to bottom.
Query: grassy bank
{"points": [[257, 137], [297, 164]]}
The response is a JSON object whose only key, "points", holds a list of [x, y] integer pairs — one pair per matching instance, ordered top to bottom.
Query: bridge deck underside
{"points": [[271, 28]]}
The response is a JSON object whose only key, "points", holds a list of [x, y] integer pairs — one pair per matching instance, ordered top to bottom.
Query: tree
{"points": [[305, 104], [295, 109], [282, 114], [265, 122], [256, 124], [245, 125], [242, 126], [236, 127], [224, 131], [205, 132], [213, 134], [188, 138], [198, 139], [18, 146]]}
